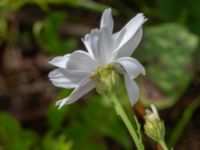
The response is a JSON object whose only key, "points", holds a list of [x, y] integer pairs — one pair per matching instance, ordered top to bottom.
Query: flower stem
{"points": [[120, 111], [182, 123], [163, 145]]}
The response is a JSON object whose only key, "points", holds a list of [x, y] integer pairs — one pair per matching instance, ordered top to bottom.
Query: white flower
{"points": [[103, 48], [152, 114]]}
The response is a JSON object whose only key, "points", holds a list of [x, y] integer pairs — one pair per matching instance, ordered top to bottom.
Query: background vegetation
{"points": [[34, 31]]}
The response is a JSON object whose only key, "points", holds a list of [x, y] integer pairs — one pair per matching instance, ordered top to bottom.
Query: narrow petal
{"points": [[107, 20], [117, 38], [128, 38], [87, 42], [92, 44], [99, 44], [106, 45], [128, 48], [60, 61], [81, 61], [130, 66], [59, 79], [65, 79], [84, 87], [132, 89], [155, 111]]}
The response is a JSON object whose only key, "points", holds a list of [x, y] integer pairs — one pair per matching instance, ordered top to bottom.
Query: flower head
{"points": [[104, 48], [106, 80], [154, 126]]}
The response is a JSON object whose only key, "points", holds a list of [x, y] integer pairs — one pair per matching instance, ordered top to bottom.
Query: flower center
{"points": [[106, 79]]}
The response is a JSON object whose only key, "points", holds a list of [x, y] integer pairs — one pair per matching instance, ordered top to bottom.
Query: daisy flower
{"points": [[107, 55]]}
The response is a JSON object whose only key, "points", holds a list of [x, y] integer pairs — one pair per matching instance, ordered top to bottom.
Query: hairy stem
{"points": [[120, 111]]}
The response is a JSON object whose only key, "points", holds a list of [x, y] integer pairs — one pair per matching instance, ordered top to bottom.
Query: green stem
{"points": [[120, 111], [182, 123], [163, 145]]}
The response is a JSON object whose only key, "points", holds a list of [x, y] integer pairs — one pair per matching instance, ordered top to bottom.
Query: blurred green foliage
{"points": [[12, 5], [185, 12], [3, 28], [47, 34], [168, 50], [88, 129], [12, 136], [56, 143]]}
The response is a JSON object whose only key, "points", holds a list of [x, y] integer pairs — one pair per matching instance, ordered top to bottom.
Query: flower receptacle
{"points": [[106, 79]]}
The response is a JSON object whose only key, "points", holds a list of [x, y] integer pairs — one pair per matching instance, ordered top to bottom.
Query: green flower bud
{"points": [[106, 79], [154, 127]]}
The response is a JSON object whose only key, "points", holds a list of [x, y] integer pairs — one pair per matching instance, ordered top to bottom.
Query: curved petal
{"points": [[107, 20], [117, 38], [128, 38], [87, 42], [92, 44], [99, 44], [128, 48], [60, 61], [81, 61], [130, 66], [65, 79], [84, 87], [132, 89]]}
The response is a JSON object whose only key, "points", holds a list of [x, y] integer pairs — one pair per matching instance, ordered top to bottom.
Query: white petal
{"points": [[107, 20], [129, 37], [117, 38], [87, 42], [92, 43], [99, 44], [106, 45], [128, 48], [60, 61], [81, 61], [130, 66], [65, 79], [60, 80], [67, 84], [84, 87], [132, 89], [155, 111]]}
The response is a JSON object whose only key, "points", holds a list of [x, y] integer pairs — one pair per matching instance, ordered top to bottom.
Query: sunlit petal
{"points": [[107, 20], [128, 38], [99, 44], [60, 61], [81, 61], [130, 66], [65, 79], [84, 87], [132, 89]]}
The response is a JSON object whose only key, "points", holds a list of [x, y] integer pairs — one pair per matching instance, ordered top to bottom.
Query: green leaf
{"points": [[47, 35], [168, 50], [55, 116], [12, 136], [53, 143]]}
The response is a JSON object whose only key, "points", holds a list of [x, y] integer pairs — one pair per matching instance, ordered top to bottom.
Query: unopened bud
{"points": [[154, 127]]}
